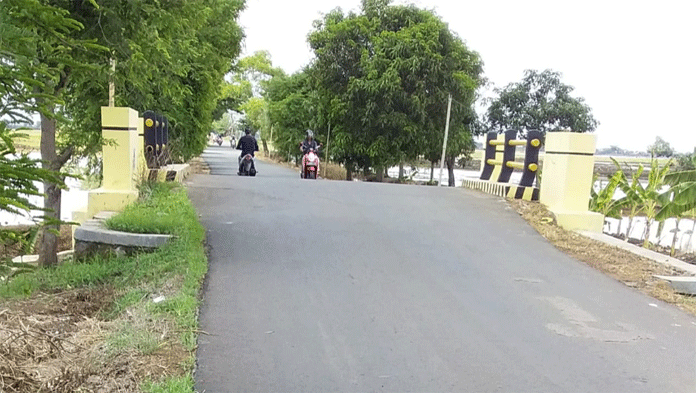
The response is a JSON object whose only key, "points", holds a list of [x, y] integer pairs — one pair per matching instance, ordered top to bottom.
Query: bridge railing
{"points": [[156, 140], [499, 163]]}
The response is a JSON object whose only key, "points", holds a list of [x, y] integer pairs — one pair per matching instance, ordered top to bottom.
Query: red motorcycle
{"points": [[310, 165]]}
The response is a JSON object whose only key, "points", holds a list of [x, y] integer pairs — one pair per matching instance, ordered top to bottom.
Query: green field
{"points": [[32, 141]]}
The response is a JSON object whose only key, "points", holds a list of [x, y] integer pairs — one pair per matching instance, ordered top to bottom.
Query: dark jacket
{"points": [[247, 144], [306, 145]]}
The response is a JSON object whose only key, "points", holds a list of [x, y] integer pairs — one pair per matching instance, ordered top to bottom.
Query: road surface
{"points": [[329, 286]]}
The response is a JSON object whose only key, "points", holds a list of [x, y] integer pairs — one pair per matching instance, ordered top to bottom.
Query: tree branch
{"points": [[64, 79], [64, 156]]}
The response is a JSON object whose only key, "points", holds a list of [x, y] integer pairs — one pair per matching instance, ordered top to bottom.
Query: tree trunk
{"points": [[265, 147], [401, 170], [432, 170], [450, 170], [349, 172], [386, 172], [379, 174], [660, 227], [628, 230], [646, 234], [674, 239], [48, 247]]}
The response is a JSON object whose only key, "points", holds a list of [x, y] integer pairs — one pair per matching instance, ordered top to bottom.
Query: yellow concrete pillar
{"points": [[121, 161], [567, 179]]}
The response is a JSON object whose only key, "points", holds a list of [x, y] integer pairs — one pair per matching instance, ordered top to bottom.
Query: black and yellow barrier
{"points": [[156, 138], [499, 163]]}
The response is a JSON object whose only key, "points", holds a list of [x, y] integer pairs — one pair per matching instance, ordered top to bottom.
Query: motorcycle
{"points": [[218, 140], [310, 165], [248, 168]]}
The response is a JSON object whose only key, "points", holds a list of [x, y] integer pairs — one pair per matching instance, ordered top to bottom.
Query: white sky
{"points": [[634, 62]]}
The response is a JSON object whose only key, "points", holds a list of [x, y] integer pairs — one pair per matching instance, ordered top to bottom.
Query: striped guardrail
{"points": [[499, 163]]}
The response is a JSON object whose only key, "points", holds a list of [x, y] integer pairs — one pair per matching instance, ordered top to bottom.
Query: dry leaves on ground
{"points": [[631, 269], [59, 343]]}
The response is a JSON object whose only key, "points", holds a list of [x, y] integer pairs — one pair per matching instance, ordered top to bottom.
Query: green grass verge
{"points": [[180, 265]]}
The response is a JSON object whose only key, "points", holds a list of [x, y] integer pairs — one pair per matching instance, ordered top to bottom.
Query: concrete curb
{"points": [[94, 231], [652, 255], [685, 285]]}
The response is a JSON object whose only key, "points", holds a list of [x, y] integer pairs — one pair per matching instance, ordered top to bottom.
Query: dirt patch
{"points": [[198, 165], [624, 266], [58, 343]]}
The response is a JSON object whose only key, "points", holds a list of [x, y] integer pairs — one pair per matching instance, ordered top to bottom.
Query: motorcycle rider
{"points": [[248, 145], [306, 145]]}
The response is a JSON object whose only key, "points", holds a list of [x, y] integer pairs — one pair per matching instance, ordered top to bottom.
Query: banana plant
{"points": [[682, 193], [650, 197], [681, 199], [603, 201], [634, 205]]}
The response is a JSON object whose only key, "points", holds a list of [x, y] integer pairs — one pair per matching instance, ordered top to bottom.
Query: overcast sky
{"points": [[634, 62]]}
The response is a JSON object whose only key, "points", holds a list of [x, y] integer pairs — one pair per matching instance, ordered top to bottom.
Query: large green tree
{"points": [[170, 57], [44, 60], [388, 73], [540, 101], [292, 103]]}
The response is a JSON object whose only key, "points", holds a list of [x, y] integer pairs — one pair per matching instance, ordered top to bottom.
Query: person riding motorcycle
{"points": [[308, 143], [248, 145]]}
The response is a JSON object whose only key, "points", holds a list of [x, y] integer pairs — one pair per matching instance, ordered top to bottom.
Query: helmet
{"points": [[247, 131], [310, 134]]}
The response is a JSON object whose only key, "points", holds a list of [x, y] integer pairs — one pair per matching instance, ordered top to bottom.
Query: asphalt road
{"points": [[329, 286]]}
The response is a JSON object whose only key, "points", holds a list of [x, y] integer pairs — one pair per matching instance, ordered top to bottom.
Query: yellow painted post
{"points": [[499, 144], [567, 178]]}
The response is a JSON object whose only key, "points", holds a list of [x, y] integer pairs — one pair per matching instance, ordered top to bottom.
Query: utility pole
{"points": [[112, 84], [328, 135], [444, 144]]}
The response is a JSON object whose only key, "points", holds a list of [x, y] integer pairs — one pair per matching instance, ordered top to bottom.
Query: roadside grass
{"points": [[332, 171], [157, 211], [149, 315]]}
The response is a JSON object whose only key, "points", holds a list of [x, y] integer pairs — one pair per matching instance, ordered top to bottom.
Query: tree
{"points": [[169, 57], [44, 60], [386, 75], [248, 80], [290, 102], [539, 102], [660, 148]]}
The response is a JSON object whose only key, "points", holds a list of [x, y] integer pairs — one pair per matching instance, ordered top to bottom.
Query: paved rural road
{"points": [[322, 286]]}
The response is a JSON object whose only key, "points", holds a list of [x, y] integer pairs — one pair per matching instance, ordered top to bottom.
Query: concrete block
{"points": [[109, 200], [93, 231], [684, 285]]}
